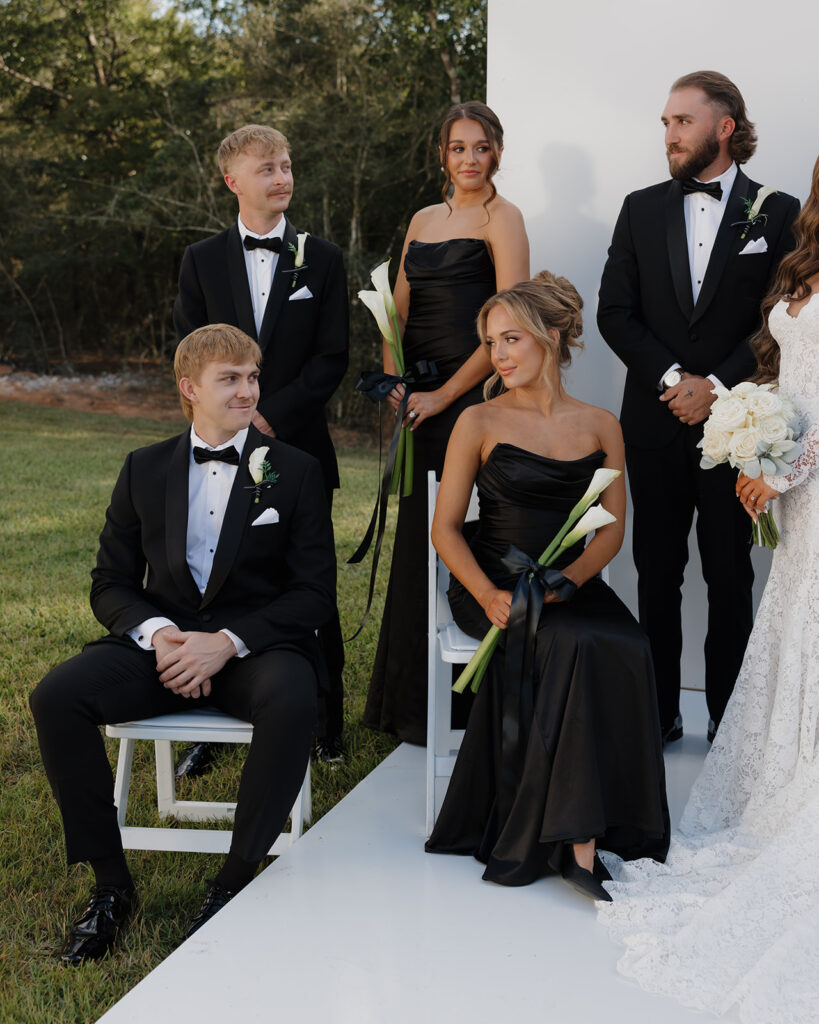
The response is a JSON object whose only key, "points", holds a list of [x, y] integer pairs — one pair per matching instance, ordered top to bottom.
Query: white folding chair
{"points": [[446, 645], [197, 725]]}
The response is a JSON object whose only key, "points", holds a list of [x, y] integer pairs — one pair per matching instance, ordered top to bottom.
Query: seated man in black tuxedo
{"points": [[211, 582]]}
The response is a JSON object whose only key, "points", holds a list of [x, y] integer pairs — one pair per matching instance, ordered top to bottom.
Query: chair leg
{"points": [[122, 782], [165, 784], [307, 809]]}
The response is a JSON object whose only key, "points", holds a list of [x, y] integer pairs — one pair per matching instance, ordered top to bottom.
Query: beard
{"points": [[698, 159]]}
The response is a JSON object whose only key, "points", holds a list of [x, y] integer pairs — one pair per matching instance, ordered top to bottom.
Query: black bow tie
{"points": [[690, 185], [273, 244], [229, 455]]}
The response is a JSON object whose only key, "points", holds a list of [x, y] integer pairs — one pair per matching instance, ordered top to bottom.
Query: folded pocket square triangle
{"points": [[754, 246], [303, 293], [270, 515]]}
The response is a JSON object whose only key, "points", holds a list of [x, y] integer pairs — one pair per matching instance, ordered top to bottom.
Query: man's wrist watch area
{"points": [[672, 379]]}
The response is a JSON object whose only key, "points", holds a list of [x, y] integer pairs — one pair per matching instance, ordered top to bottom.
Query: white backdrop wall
{"points": [[579, 89]]}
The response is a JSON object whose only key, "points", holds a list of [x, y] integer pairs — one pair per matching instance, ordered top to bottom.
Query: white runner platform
{"points": [[357, 924]]}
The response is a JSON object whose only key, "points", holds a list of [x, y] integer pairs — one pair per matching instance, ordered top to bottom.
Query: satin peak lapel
{"points": [[725, 244], [678, 248], [282, 282], [239, 284], [176, 521], [233, 526]]}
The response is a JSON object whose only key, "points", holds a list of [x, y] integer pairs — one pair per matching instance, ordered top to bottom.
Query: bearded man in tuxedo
{"points": [[287, 290], [679, 299], [211, 589]]}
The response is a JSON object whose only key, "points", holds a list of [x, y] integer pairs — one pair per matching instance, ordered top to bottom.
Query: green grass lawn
{"points": [[57, 469]]}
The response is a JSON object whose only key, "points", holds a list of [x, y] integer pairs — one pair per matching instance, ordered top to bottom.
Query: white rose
{"points": [[743, 389], [764, 403], [728, 413], [772, 429], [716, 444], [743, 444], [254, 463]]}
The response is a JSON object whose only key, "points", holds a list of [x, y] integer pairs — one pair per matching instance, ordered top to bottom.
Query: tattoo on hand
{"points": [[689, 394]]}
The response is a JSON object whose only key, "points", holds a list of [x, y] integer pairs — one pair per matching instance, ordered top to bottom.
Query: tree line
{"points": [[110, 115]]}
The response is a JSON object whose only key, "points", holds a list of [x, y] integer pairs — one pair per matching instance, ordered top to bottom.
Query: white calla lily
{"points": [[761, 196], [301, 240], [381, 279], [374, 301], [255, 463], [598, 483], [592, 519]]}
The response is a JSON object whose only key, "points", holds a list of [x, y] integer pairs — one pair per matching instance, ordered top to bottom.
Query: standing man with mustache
{"points": [[686, 272], [288, 291]]}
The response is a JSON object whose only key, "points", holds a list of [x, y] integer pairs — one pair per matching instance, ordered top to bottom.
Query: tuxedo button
{"points": [[693, 336], [206, 616]]}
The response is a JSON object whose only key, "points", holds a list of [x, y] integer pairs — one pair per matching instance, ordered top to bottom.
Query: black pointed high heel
{"points": [[581, 879]]}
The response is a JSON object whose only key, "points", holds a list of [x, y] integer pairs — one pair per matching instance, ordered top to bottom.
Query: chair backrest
{"points": [[438, 574]]}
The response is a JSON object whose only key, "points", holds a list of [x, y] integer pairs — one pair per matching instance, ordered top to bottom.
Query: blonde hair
{"points": [[258, 137], [545, 303], [208, 344]]}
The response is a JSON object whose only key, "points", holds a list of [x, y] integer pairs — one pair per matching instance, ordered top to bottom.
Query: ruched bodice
{"points": [[449, 282], [525, 499]]}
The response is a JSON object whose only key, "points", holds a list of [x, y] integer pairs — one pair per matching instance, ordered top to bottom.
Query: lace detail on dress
{"points": [[731, 920]]}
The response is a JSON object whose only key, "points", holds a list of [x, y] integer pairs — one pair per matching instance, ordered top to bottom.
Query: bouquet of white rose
{"points": [[753, 429]]}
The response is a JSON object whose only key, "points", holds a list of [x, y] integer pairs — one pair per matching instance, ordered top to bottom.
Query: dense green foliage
{"points": [[110, 115], [58, 469]]}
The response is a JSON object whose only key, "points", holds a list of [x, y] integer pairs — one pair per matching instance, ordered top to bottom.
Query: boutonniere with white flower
{"points": [[753, 207], [298, 252], [261, 472]]}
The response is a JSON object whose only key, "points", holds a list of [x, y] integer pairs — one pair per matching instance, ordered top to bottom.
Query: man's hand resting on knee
{"points": [[186, 661]]}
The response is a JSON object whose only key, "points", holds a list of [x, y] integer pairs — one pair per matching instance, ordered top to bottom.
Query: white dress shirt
{"points": [[703, 216], [261, 266], [209, 486]]}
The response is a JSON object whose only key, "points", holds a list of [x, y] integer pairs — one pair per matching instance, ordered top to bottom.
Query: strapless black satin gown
{"points": [[449, 282], [589, 763]]}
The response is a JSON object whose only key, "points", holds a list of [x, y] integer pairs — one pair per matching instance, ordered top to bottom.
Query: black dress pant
{"points": [[667, 485], [113, 680], [331, 700]]}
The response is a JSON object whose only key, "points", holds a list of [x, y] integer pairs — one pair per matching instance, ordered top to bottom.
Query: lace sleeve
{"points": [[807, 463]]}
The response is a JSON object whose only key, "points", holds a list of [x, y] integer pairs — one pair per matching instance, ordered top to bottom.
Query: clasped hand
{"points": [[691, 399], [498, 603], [187, 661]]}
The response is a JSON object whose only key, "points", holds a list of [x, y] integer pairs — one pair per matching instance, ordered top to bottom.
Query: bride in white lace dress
{"points": [[731, 921]]}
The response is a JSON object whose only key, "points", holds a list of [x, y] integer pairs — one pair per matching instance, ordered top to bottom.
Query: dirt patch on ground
{"points": [[132, 391]]}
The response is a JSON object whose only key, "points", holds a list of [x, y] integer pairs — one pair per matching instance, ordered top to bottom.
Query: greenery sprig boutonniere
{"points": [[752, 210], [298, 251], [261, 471]]}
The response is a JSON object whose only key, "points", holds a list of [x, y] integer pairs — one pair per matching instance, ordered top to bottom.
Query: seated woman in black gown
{"points": [[456, 254], [562, 751]]}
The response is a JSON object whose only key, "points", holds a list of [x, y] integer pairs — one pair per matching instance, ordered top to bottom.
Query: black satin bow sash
{"points": [[376, 386], [534, 580]]}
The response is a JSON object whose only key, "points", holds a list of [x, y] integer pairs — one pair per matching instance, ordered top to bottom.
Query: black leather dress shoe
{"points": [[712, 730], [674, 732], [329, 750], [196, 760], [584, 881], [216, 898], [95, 931]]}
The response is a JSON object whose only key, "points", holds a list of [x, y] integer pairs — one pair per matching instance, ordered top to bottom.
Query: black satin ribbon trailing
{"points": [[376, 385], [534, 580]]}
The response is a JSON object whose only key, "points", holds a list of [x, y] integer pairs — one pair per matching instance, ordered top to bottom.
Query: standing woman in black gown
{"points": [[456, 254], [562, 749]]}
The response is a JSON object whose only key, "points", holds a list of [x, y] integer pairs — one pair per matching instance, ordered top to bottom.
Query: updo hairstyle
{"points": [[472, 110], [545, 303]]}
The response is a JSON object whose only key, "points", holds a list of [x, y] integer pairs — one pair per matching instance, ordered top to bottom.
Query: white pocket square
{"points": [[756, 245], [303, 293], [270, 515]]}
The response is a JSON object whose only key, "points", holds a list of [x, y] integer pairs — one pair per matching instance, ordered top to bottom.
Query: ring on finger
{"points": [[412, 414]]}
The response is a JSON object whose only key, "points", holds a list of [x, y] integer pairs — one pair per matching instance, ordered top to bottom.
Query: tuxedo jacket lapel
{"points": [[725, 244], [678, 248], [282, 280], [239, 284], [176, 520], [232, 532]]}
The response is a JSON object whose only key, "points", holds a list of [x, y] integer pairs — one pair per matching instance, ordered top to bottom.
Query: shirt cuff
{"points": [[715, 380], [660, 385], [143, 634], [242, 650]]}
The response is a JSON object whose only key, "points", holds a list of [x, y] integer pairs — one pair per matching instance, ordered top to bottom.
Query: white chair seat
{"points": [[194, 726]]}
